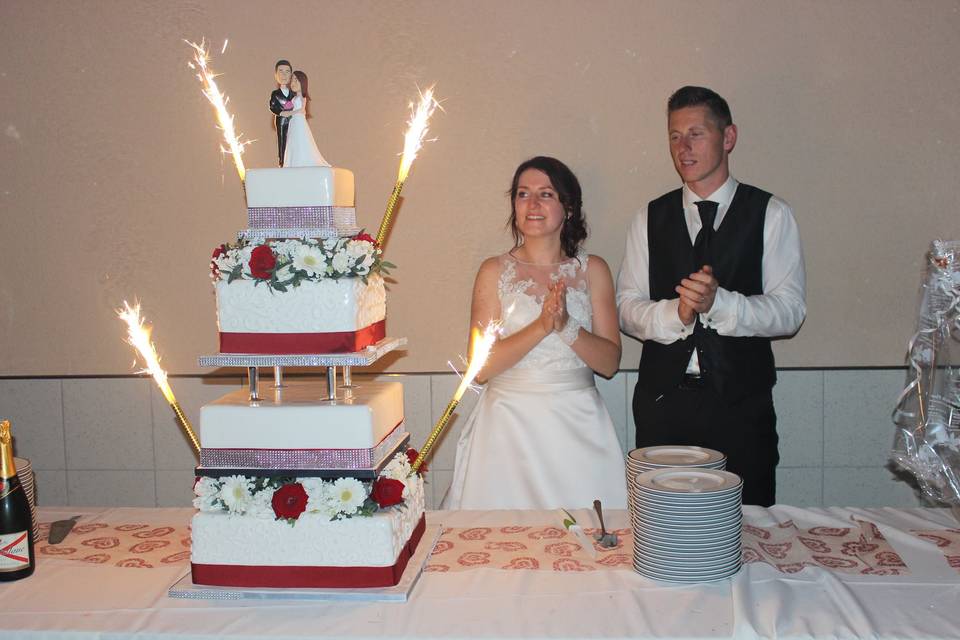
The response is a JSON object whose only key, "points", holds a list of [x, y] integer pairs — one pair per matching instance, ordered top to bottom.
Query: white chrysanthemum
{"points": [[331, 244], [359, 248], [243, 257], [310, 259], [228, 261], [340, 262], [284, 273], [206, 487], [235, 493], [316, 493], [348, 494], [206, 504], [261, 505]]}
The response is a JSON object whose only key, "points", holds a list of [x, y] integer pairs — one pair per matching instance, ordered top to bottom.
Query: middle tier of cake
{"points": [[295, 428]]}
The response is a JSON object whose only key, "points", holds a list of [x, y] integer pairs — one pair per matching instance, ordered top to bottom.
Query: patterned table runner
{"points": [[134, 545], [860, 548]]}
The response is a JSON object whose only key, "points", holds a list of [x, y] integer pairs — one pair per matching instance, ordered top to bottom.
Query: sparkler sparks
{"points": [[212, 93], [412, 143], [138, 336], [480, 346]]}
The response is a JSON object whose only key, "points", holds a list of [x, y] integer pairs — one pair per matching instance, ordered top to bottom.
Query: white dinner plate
{"points": [[676, 481]]}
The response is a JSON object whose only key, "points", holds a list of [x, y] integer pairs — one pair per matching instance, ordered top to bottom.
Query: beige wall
{"points": [[112, 185]]}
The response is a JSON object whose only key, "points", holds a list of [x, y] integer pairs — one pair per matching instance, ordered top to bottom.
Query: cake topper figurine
{"points": [[281, 104], [300, 147]]}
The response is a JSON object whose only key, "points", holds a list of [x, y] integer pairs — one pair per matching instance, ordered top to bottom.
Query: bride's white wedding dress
{"points": [[301, 149], [540, 436]]}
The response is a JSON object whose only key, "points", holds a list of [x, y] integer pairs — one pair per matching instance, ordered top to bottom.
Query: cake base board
{"points": [[400, 592]]}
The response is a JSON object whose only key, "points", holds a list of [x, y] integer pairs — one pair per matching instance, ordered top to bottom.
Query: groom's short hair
{"points": [[282, 62]]}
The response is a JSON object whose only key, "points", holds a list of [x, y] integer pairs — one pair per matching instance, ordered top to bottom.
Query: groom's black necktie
{"points": [[701, 246]]}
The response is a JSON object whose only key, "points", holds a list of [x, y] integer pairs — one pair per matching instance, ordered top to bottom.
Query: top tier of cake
{"points": [[291, 202]]}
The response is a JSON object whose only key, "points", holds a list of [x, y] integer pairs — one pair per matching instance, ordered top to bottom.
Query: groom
{"points": [[280, 104], [713, 270]]}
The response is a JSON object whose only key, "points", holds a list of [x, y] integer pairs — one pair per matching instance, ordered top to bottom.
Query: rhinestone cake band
{"points": [[331, 218], [312, 232], [303, 458]]}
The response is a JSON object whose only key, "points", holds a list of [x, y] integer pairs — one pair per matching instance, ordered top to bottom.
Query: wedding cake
{"points": [[298, 488]]}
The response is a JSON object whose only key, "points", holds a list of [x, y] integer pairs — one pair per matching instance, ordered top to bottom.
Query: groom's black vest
{"points": [[735, 367]]}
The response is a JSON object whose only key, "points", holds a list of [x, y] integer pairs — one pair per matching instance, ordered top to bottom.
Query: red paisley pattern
{"points": [[476, 533], [548, 533], [947, 540], [102, 543], [149, 545], [473, 559], [523, 562]]}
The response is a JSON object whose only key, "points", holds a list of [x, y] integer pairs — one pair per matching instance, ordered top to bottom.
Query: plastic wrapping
{"points": [[927, 413]]}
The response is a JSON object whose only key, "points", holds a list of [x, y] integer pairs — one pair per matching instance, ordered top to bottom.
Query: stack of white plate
{"points": [[663, 456], [25, 473], [687, 524]]}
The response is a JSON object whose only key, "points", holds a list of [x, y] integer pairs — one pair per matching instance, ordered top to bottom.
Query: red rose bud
{"points": [[367, 237], [219, 251], [262, 262], [412, 456], [387, 492], [289, 501]]}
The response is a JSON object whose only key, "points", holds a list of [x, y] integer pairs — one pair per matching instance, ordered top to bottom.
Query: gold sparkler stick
{"points": [[211, 92], [412, 142], [138, 336], [481, 345]]}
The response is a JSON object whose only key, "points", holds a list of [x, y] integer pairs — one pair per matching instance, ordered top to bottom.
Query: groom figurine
{"points": [[280, 104]]}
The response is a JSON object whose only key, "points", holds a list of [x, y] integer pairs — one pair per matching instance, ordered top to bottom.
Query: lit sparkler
{"points": [[211, 92], [412, 143], [138, 336], [480, 347]]}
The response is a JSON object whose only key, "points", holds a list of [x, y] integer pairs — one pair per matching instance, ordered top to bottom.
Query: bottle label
{"points": [[14, 551]]}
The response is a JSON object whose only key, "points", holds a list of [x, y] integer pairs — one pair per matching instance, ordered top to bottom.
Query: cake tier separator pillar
{"points": [[253, 361]]}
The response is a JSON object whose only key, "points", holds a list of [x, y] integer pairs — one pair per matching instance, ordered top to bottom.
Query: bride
{"points": [[301, 148], [540, 436]]}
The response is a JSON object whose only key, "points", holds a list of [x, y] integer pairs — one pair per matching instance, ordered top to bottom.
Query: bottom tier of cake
{"points": [[246, 551]]}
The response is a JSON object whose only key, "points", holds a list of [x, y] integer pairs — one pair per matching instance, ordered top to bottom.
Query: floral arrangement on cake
{"points": [[282, 264], [288, 498]]}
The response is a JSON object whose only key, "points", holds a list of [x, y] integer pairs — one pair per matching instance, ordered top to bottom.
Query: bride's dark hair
{"points": [[302, 79], [574, 230]]}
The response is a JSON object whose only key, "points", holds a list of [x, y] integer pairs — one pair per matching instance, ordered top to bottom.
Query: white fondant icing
{"points": [[299, 187], [321, 306], [298, 418], [375, 541]]}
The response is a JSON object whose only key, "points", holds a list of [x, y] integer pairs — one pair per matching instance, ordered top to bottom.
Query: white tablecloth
{"points": [[79, 601]]}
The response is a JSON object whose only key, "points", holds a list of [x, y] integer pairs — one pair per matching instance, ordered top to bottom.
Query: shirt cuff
{"points": [[722, 316], [672, 324]]}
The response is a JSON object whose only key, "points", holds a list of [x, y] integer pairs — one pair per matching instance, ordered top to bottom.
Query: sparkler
{"points": [[211, 92], [412, 142], [138, 336], [480, 347]]}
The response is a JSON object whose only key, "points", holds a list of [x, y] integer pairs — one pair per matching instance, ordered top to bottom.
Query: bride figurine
{"points": [[301, 148], [540, 436]]}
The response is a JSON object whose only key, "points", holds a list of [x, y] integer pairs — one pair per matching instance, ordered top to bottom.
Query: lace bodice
{"points": [[522, 287]]}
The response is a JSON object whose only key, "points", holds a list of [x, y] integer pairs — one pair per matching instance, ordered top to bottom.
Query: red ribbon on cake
{"points": [[296, 343], [238, 575]]}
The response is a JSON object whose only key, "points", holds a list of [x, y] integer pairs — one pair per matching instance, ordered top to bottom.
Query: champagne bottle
{"points": [[17, 559]]}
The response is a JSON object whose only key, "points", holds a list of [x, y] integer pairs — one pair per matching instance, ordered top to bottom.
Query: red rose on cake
{"points": [[262, 262], [387, 492], [289, 501]]}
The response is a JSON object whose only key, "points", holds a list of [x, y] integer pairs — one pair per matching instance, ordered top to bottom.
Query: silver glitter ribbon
{"points": [[301, 217], [352, 459]]}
